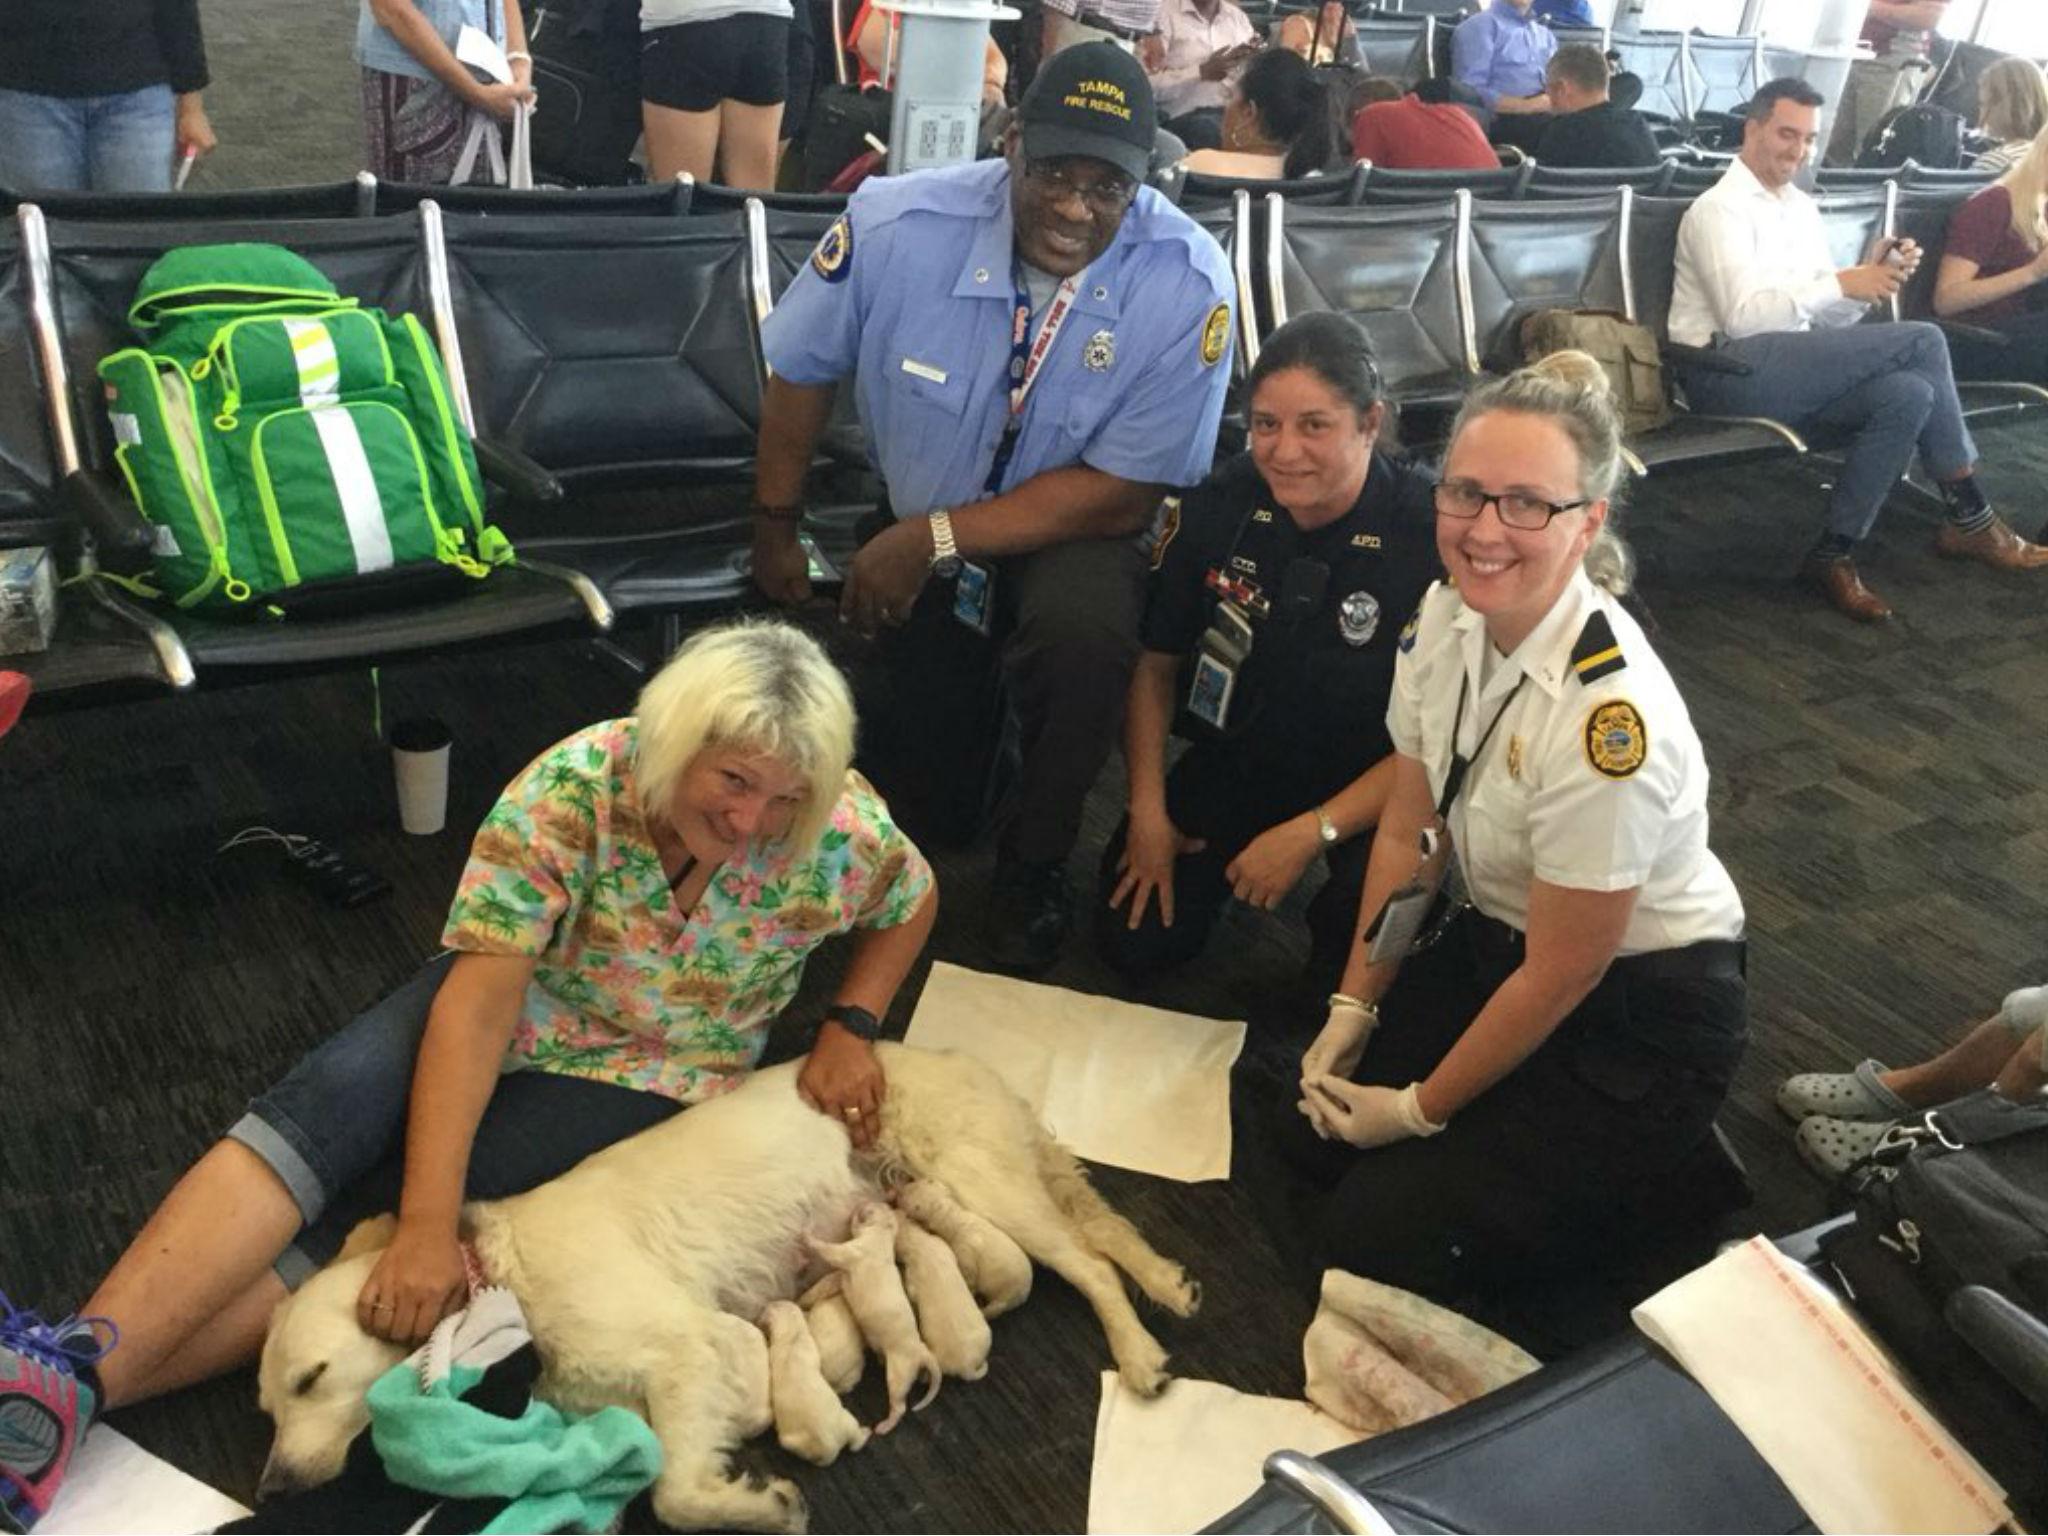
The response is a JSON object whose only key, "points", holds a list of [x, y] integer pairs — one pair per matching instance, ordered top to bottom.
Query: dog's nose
{"points": [[277, 1479]]}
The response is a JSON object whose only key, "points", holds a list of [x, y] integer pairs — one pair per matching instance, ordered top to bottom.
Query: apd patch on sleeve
{"points": [[833, 258], [1215, 335], [1617, 741]]}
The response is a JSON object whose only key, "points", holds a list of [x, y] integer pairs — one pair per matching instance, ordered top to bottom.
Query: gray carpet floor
{"points": [[1881, 797]]}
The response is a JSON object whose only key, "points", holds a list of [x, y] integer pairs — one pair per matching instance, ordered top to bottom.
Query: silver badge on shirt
{"points": [[1100, 352], [1358, 618]]}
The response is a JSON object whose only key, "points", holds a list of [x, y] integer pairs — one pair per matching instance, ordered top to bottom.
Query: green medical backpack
{"points": [[279, 435]]}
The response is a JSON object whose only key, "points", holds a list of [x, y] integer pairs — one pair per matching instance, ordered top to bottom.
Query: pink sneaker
{"points": [[45, 1405]]}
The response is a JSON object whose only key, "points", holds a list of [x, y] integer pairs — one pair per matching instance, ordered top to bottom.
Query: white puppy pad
{"points": [[1136, 1088], [1817, 1397], [1195, 1452], [115, 1488]]}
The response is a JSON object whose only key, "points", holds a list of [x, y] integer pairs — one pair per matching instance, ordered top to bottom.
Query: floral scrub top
{"points": [[628, 990]]}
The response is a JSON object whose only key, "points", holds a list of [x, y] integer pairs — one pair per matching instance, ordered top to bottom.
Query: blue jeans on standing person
{"points": [[119, 143], [1891, 385], [333, 1129]]}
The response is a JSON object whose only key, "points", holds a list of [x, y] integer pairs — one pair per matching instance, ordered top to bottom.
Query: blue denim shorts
{"points": [[333, 1129]]}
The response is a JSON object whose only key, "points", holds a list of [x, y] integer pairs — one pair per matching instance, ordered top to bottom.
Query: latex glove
{"points": [[1337, 1050], [1367, 1115], [1318, 1118]]}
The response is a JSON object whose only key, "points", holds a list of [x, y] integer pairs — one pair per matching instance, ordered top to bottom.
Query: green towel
{"points": [[561, 1473]]}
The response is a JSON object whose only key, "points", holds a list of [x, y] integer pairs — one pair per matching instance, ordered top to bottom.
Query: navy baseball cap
{"points": [[1092, 99]]}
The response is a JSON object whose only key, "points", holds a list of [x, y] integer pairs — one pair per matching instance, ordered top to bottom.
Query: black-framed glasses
{"points": [[1109, 196], [1516, 509]]}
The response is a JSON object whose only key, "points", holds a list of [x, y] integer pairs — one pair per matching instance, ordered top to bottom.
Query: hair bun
{"points": [[1571, 366]]}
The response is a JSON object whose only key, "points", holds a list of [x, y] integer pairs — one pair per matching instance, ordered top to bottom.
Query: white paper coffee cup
{"points": [[419, 761]]}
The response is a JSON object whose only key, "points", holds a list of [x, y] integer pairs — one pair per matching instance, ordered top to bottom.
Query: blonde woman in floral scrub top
{"points": [[637, 909]]}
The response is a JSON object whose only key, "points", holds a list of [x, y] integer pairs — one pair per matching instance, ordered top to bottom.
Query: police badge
{"points": [[1100, 352], [1358, 617]]}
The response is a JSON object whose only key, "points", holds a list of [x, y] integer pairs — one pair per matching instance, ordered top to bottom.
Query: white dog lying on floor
{"points": [[637, 1267]]}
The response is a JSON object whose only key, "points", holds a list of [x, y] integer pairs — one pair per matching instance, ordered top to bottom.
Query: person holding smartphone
{"points": [[1190, 59], [1269, 642]]}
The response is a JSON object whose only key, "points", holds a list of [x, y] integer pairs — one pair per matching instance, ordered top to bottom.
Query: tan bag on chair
{"points": [[1626, 352]]}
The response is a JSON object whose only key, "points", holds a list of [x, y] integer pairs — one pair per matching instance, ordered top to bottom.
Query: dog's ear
{"points": [[368, 1236]]}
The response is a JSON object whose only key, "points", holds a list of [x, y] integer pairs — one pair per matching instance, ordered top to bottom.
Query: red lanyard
{"points": [[1026, 357]]}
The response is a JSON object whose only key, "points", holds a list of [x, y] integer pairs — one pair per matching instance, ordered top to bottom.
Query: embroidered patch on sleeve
{"points": [[833, 258], [1215, 335], [1617, 741]]}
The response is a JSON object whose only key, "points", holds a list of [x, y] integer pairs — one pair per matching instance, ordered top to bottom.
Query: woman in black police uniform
{"points": [[1269, 642], [1549, 1065]]}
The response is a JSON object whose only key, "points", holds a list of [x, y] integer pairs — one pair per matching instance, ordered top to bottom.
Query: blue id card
{"points": [[974, 598]]}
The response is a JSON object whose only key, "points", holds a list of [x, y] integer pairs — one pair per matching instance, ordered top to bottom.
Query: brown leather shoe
{"points": [[1995, 544], [1834, 578]]}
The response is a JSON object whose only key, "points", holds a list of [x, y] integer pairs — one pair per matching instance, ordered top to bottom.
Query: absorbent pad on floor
{"points": [[1134, 1087], [1180, 1460], [116, 1488]]}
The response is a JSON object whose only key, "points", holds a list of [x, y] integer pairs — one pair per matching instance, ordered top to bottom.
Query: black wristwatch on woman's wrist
{"points": [[855, 1021]]}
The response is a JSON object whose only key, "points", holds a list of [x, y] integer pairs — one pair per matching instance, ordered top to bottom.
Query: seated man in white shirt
{"points": [[1190, 59], [1755, 279]]}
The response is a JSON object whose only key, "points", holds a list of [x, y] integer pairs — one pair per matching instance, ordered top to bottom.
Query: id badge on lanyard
{"points": [[974, 595], [1394, 932]]}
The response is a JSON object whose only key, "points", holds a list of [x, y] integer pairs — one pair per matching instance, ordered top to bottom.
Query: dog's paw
{"points": [[1184, 1297], [1143, 1368], [792, 1510]]}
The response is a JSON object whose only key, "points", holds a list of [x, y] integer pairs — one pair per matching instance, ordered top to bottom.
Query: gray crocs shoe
{"points": [[1857, 1095], [1831, 1147]]}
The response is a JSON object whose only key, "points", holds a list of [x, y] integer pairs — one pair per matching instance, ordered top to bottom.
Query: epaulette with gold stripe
{"points": [[1597, 653]]}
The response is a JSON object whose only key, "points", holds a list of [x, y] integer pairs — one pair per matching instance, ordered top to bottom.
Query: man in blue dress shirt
{"points": [[1500, 53], [1040, 346]]}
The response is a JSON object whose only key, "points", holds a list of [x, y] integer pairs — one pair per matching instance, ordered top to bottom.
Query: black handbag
{"points": [[1947, 1261]]}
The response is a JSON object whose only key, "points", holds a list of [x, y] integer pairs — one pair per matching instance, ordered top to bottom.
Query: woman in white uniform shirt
{"points": [[1563, 1044]]}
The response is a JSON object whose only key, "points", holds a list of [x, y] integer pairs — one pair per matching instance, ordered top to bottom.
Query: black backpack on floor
{"points": [[1947, 1262]]}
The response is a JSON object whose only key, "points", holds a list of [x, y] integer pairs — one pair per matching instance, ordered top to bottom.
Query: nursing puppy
{"points": [[636, 1267], [995, 1268], [874, 1289], [949, 1322], [842, 1352], [810, 1421]]}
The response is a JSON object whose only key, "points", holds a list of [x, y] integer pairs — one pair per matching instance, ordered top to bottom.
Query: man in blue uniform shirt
{"points": [[1040, 346]]}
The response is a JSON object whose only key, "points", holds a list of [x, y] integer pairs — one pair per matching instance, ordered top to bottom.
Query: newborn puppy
{"points": [[996, 1269], [874, 1290], [948, 1319], [841, 1353], [810, 1421]]}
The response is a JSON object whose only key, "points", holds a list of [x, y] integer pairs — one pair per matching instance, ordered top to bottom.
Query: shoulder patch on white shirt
{"points": [[1617, 740]]}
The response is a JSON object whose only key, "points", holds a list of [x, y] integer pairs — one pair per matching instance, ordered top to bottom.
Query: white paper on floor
{"points": [[1134, 1087], [1784, 1358], [1191, 1454], [116, 1488]]}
